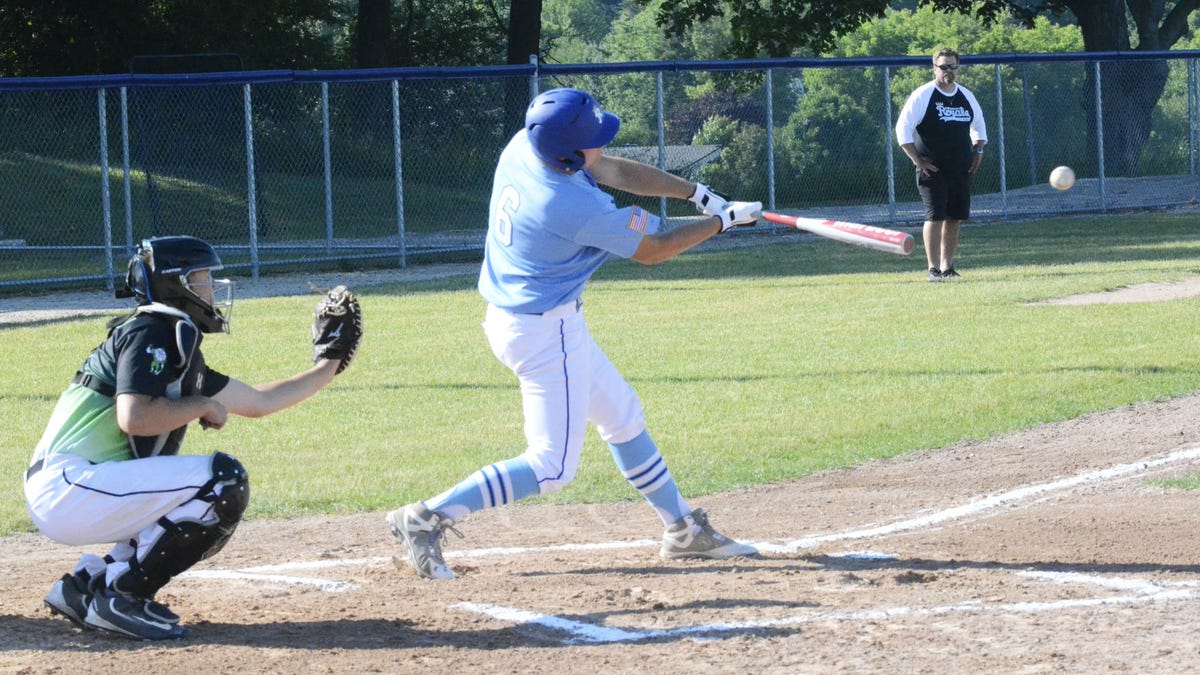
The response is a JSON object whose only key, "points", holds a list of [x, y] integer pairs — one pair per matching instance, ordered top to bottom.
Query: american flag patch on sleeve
{"points": [[638, 219]]}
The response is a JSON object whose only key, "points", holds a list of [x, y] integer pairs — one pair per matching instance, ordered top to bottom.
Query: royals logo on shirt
{"points": [[947, 113]]}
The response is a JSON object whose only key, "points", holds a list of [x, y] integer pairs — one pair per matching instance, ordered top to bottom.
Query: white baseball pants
{"points": [[566, 381]]}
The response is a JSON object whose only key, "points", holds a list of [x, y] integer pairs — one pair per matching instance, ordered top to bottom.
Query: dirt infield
{"points": [[1045, 550]]}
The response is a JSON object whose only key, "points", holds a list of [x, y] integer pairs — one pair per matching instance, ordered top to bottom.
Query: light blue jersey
{"points": [[549, 231]]}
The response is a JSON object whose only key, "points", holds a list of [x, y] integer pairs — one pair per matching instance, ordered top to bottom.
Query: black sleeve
{"points": [[146, 357], [201, 380]]}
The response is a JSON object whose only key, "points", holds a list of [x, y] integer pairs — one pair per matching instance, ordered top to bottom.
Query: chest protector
{"points": [[188, 361]]}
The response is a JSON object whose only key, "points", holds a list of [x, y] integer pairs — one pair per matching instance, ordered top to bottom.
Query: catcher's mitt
{"points": [[337, 327]]}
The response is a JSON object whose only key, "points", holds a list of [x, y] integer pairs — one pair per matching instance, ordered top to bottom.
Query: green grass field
{"points": [[755, 365]]}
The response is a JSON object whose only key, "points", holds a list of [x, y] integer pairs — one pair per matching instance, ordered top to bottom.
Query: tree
{"points": [[786, 28], [524, 30], [572, 30], [372, 33], [446, 33], [85, 37], [524, 39], [1134, 86]]}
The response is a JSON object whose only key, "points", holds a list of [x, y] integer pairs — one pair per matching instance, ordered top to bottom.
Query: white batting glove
{"points": [[708, 200], [740, 214]]}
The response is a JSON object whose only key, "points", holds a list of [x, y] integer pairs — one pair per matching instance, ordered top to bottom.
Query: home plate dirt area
{"points": [[1049, 549]]}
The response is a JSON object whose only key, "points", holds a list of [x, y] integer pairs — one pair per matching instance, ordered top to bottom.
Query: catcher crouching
{"points": [[106, 470]]}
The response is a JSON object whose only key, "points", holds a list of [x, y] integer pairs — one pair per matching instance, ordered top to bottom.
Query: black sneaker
{"points": [[935, 274], [950, 274], [70, 597], [132, 617]]}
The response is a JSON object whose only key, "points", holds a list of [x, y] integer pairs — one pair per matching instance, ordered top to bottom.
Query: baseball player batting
{"points": [[550, 227], [106, 470]]}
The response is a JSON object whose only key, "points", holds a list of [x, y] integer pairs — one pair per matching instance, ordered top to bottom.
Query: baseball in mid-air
{"points": [[1062, 178]]}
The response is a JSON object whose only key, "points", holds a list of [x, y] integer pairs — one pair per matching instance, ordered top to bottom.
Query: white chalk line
{"points": [[1035, 492], [988, 503], [265, 573], [243, 575], [1140, 586], [1142, 591], [579, 631]]}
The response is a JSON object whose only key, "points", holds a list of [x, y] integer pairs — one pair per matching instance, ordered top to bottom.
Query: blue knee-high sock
{"points": [[644, 467], [494, 485]]}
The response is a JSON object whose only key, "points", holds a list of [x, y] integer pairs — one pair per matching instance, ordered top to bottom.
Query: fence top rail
{"points": [[476, 72]]}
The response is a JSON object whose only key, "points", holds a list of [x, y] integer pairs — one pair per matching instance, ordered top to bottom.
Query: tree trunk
{"points": [[1102, 24], [373, 33], [524, 40], [1130, 89]]}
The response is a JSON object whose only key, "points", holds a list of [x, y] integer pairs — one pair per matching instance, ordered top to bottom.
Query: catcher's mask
{"points": [[561, 122], [177, 271]]}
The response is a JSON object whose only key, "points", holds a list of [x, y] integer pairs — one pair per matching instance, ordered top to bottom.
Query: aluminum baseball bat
{"points": [[868, 236]]}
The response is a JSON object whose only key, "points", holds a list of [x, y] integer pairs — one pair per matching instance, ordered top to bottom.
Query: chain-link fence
{"points": [[285, 169]]}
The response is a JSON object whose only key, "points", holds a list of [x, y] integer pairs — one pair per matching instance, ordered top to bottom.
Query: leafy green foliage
{"points": [[793, 27], [775, 28], [790, 28], [573, 30], [447, 33], [82, 37], [686, 120], [740, 169]]}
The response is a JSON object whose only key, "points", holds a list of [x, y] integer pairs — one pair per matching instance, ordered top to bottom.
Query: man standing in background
{"points": [[942, 131]]}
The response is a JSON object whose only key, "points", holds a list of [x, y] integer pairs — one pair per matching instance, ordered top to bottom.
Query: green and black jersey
{"points": [[154, 352]]}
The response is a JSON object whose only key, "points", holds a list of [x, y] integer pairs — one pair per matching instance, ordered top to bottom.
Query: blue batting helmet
{"points": [[561, 122]]}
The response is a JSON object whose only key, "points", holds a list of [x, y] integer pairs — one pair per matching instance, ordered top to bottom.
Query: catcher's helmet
{"points": [[561, 122], [161, 271]]}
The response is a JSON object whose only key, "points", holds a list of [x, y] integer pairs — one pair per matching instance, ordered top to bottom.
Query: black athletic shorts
{"points": [[945, 197]]}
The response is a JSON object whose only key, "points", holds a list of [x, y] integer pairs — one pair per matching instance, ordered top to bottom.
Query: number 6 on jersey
{"points": [[510, 201]]}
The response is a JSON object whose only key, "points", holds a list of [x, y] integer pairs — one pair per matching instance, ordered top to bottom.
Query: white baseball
{"points": [[1062, 178]]}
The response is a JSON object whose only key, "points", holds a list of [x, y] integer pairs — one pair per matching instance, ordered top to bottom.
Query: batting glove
{"points": [[708, 200], [740, 214]]}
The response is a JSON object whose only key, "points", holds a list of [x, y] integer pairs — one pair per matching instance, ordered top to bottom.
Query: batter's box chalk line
{"points": [[273, 574], [577, 632]]}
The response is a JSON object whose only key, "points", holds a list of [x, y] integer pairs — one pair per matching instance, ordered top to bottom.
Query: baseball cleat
{"points": [[935, 274], [422, 532], [693, 537], [69, 598], [132, 617]]}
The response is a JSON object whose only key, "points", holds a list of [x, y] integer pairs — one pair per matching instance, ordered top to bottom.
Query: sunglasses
{"points": [[947, 66]]}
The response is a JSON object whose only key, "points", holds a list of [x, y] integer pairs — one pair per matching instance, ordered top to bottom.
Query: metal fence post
{"points": [[533, 79], [1193, 105], [1100, 136], [1000, 140], [770, 141], [1030, 146], [662, 147], [889, 159], [328, 168], [399, 168], [126, 179], [251, 186], [105, 200]]}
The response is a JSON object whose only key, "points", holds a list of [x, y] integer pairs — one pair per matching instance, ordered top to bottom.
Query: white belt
{"points": [[562, 311]]}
